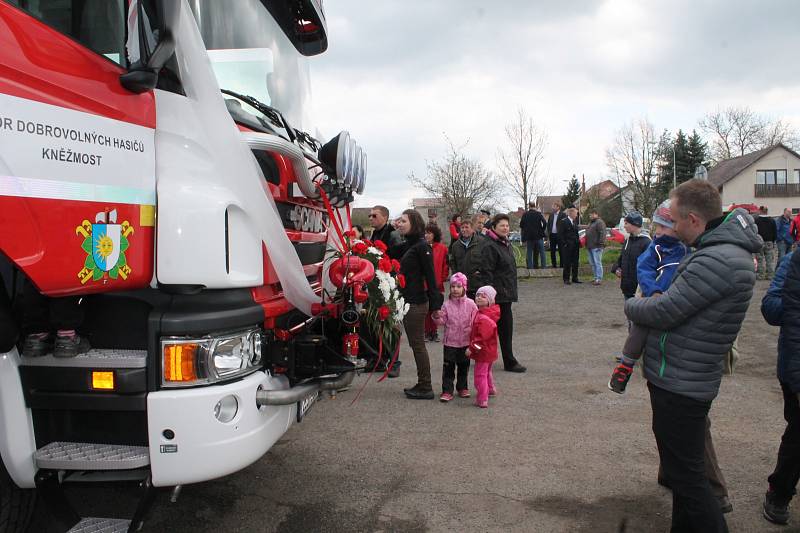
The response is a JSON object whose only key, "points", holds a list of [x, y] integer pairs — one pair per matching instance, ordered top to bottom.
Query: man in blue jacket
{"points": [[781, 307]]}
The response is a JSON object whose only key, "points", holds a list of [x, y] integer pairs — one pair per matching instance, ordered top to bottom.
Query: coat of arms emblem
{"points": [[104, 242]]}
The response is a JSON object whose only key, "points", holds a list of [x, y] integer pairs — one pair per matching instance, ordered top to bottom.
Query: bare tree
{"points": [[736, 131], [633, 161], [519, 165], [461, 182]]}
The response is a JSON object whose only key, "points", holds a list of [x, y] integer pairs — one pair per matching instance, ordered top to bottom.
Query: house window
{"points": [[796, 176], [771, 177]]}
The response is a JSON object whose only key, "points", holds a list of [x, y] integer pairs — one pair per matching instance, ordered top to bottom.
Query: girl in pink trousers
{"points": [[457, 315], [483, 343]]}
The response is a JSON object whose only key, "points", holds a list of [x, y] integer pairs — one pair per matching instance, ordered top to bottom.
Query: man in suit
{"points": [[533, 227], [553, 234], [571, 245]]}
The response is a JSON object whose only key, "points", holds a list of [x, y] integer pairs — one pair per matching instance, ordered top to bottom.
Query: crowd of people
{"points": [[686, 292]]}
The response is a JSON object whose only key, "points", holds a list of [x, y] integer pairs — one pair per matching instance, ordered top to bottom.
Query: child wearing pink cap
{"points": [[456, 315], [483, 343]]}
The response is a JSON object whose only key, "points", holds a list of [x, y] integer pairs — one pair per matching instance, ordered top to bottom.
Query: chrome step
{"points": [[92, 359], [89, 456], [101, 525]]}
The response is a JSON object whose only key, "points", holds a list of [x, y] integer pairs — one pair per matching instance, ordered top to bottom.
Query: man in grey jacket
{"points": [[693, 325]]}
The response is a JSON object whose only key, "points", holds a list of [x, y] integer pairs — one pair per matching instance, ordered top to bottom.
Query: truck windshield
{"points": [[252, 56]]}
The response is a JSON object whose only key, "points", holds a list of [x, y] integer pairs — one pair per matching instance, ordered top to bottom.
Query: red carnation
{"points": [[350, 233], [368, 243], [380, 245], [359, 248], [385, 265], [396, 265], [401, 281], [383, 312]]}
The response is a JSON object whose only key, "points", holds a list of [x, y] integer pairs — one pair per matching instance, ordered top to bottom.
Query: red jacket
{"points": [[794, 229], [455, 230], [440, 269], [483, 339]]}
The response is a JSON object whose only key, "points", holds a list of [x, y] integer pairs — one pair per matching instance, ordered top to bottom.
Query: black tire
{"points": [[16, 504]]}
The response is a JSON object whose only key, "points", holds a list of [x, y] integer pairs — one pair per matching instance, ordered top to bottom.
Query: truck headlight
{"points": [[197, 361]]}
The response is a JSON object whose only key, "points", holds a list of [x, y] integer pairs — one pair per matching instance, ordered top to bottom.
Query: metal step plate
{"points": [[92, 359], [87, 456], [101, 525]]}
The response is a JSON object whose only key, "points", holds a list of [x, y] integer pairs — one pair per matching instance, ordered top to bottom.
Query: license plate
{"points": [[303, 406]]}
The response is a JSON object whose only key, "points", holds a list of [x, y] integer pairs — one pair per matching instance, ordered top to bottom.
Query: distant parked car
{"points": [[612, 234], [515, 237]]}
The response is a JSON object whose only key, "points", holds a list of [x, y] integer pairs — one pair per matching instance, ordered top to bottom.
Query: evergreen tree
{"points": [[696, 152], [682, 158], [573, 193]]}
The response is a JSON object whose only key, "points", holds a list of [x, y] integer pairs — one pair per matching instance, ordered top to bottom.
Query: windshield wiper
{"points": [[270, 112], [278, 120]]}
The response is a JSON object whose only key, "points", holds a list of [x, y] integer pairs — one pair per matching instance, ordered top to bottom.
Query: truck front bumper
{"points": [[189, 444]]}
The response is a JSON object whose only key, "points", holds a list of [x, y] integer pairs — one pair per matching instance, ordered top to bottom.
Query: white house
{"points": [[769, 177]]}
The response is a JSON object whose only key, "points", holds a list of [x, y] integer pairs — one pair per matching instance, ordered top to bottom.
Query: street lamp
{"points": [[674, 167]]}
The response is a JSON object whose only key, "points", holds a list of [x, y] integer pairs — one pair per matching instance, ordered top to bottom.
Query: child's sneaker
{"points": [[37, 344], [70, 345], [619, 378], [492, 392], [463, 393], [445, 397], [482, 405]]}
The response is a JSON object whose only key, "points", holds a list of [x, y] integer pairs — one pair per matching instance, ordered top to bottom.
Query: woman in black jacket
{"points": [[499, 269], [420, 292]]}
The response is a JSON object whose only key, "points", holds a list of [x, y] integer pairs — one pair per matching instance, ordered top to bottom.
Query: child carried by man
{"points": [[655, 270]]}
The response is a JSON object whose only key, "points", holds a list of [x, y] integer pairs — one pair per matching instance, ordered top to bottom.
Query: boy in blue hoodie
{"points": [[654, 269]]}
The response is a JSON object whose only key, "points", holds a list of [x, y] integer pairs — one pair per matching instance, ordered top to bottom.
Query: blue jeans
{"points": [[783, 249], [534, 251], [596, 260]]}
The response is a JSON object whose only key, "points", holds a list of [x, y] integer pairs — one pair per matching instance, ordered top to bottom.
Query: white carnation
{"points": [[374, 251], [386, 291]]}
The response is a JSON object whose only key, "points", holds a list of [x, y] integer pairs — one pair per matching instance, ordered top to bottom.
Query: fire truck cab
{"points": [[159, 165]]}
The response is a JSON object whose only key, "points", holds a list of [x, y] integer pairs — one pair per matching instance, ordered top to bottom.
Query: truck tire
{"points": [[16, 504]]}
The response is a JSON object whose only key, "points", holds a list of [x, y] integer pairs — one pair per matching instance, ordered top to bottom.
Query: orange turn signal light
{"points": [[179, 362], [102, 380]]}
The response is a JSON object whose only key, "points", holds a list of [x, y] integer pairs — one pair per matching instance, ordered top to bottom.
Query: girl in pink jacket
{"points": [[456, 315], [483, 343]]}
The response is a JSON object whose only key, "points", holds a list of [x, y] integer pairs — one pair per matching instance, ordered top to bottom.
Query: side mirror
{"points": [[143, 75]]}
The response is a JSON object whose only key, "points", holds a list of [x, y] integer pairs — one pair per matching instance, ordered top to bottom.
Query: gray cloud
{"points": [[398, 74]]}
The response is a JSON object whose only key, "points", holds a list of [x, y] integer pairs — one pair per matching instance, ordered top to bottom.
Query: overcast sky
{"points": [[398, 75]]}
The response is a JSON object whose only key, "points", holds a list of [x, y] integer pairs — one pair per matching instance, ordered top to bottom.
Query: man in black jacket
{"points": [[533, 229], [768, 230], [383, 231], [553, 236], [571, 245], [634, 246], [464, 254]]}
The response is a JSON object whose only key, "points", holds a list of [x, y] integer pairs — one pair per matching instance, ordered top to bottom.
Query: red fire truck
{"points": [[159, 166]]}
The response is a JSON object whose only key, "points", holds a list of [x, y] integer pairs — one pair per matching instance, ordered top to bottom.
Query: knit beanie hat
{"points": [[663, 215], [634, 218], [458, 279], [488, 291]]}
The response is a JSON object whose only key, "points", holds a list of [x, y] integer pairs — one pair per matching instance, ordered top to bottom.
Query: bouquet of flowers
{"points": [[385, 308]]}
